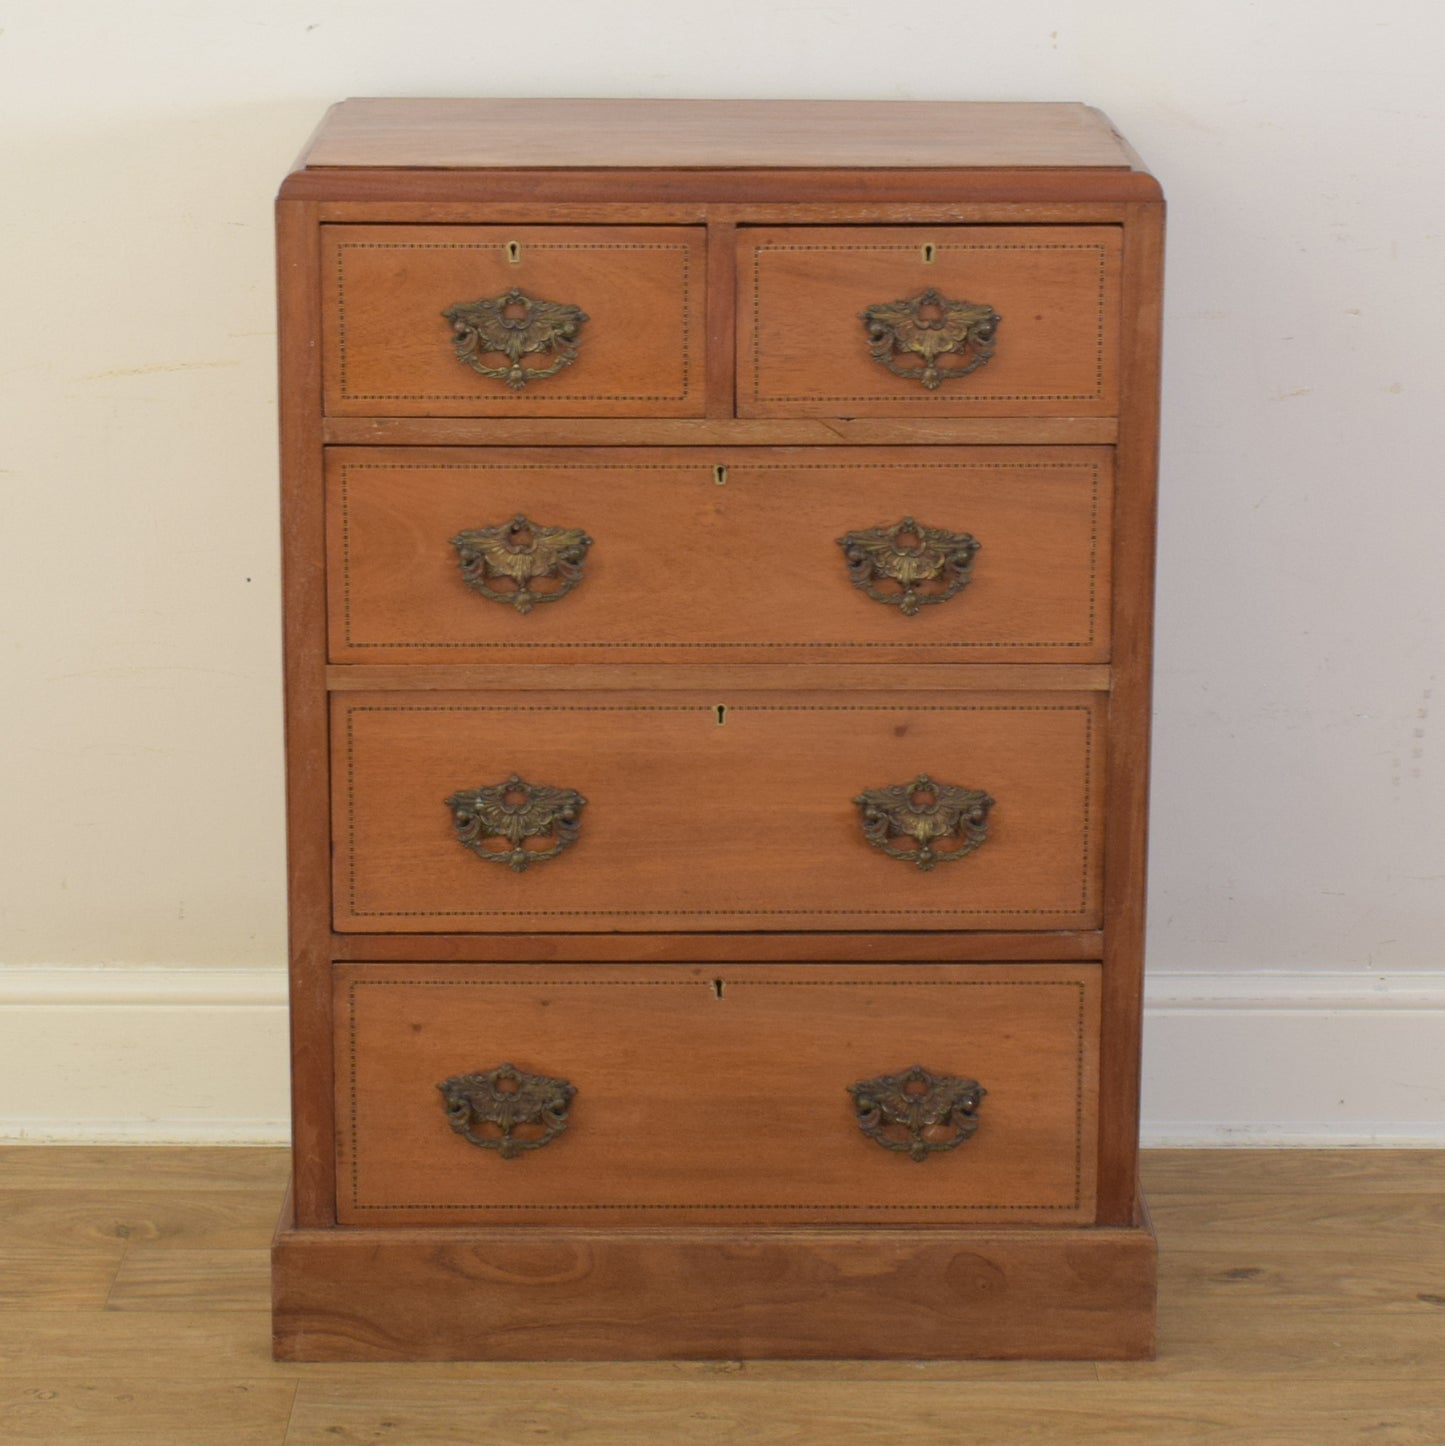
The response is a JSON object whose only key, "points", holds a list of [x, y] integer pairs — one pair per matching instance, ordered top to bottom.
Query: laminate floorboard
{"points": [[1302, 1300]]}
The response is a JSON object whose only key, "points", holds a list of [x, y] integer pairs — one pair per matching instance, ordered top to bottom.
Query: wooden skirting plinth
{"points": [[690, 1294]]}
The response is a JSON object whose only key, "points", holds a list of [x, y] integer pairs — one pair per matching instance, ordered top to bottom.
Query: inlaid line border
{"points": [[1097, 395], [517, 397], [1096, 498], [1090, 848], [1080, 987]]}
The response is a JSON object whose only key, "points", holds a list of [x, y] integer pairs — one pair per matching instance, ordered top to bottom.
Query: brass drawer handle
{"points": [[514, 325], [926, 327], [517, 554], [909, 565], [512, 811], [906, 820], [507, 1099], [917, 1112]]}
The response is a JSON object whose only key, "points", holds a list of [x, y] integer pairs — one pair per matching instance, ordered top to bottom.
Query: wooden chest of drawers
{"points": [[718, 574]]}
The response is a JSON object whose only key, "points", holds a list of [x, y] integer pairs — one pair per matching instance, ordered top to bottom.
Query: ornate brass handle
{"points": [[514, 325], [926, 327], [520, 553], [926, 564], [512, 811], [920, 814], [508, 1100], [917, 1112]]}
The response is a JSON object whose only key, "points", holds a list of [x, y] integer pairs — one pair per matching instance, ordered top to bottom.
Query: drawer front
{"points": [[949, 320], [542, 321], [719, 555], [679, 811], [708, 1093]]}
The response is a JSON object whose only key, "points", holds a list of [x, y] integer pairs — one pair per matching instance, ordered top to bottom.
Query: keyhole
{"points": [[514, 252], [929, 252], [720, 476], [722, 714], [717, 988]]}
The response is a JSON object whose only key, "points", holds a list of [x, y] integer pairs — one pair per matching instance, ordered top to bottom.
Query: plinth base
{"points": [[351, 1294]]}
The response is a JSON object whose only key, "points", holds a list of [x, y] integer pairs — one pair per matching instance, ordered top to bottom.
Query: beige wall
{"points": [[1299, 818]]}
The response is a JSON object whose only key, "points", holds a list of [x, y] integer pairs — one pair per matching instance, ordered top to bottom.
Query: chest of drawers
{"points": [[718, 547]]}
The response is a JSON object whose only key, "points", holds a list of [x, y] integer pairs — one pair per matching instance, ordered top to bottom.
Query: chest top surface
{"points": [[718, 134]]}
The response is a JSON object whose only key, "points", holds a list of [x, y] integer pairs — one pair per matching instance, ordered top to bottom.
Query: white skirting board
{"points": [[142, 1055], [153, 1055], [1310, 1059]]}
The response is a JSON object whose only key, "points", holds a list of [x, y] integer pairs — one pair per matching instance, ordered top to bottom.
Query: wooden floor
{"points": [[1302, 1299]]}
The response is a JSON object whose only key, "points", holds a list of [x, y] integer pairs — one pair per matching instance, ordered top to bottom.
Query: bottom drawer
{"points": [[716, 1093]]}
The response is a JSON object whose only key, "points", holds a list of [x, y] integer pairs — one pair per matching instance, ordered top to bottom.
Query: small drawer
{"points": [[541, 321], [948, 321], [723, 555], [556, 812], [726, 1094]]}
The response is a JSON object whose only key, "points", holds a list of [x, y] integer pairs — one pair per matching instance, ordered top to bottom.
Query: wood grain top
{"points": [[720, 134]]}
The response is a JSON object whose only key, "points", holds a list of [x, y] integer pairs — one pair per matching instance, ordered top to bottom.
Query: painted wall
{"points": [[1299, 820]]}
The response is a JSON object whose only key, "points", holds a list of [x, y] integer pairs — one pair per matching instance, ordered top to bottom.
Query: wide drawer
{"points": [[565, 320], [940, 320], [743, 554], [760, 811], [704, 1094]]}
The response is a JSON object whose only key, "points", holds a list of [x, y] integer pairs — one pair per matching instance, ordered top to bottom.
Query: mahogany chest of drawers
{"points": [[718, 548]]}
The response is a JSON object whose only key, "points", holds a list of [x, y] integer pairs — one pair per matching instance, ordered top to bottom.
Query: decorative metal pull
{"points": [[514, 326], [929, 326], [521, 552], [926, 564], [512, 811], [907, 820], [509, 1100], [917, 1112]]}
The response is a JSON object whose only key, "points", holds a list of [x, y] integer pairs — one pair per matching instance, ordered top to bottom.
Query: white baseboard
{"points": [[143, 1055], [158, 1055], [1294, 1058]]}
